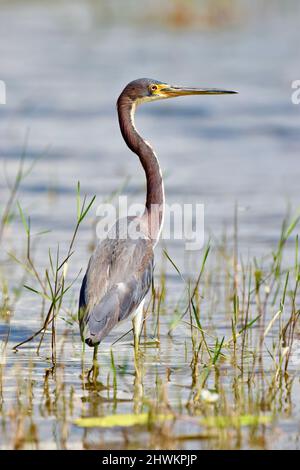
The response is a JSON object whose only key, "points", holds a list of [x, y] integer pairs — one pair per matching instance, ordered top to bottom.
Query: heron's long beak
{"points": [[173, 91]]}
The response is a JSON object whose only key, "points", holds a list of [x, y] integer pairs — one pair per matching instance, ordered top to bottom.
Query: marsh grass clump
{"points": [[52, 285], [9, 296], [260, 345], [216, 366]]}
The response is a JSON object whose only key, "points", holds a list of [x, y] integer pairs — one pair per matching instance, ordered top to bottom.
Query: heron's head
{"points": [[146, 89]]}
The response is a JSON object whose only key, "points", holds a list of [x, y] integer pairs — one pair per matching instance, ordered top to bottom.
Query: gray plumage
{"points": [[118, 277]]}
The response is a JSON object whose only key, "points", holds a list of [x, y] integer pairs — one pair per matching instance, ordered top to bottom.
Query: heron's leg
{"points": [[137, 323], [94, 371]]}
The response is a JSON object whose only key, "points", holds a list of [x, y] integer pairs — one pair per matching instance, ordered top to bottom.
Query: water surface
{"points": [[64, 68]]}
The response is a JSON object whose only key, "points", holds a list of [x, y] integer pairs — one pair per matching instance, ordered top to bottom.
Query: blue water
{"points": [[64, 66]]}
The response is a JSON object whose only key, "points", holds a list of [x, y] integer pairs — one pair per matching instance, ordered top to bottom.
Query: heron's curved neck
{"points": [[155, 188]]}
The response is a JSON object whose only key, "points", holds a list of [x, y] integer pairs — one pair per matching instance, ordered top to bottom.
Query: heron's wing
{"points": [[117, 279]]}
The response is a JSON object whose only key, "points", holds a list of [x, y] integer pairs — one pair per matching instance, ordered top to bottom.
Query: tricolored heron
{"points": [[120, 270]]}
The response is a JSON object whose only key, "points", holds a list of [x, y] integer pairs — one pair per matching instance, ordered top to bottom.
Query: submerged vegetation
{"points": [[217, 364]]}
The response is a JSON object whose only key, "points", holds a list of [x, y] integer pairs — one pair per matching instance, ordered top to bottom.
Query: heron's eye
{"points": [[153, 87]]}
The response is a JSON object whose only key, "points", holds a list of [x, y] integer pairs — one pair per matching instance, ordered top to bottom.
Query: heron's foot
{"points": [[136, 345], [137, 351], [138, 359], [93, 373], [93, 382]]}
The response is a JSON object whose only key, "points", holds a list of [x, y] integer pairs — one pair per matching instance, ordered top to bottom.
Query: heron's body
{"points": [[120, 270], [118, 277]]}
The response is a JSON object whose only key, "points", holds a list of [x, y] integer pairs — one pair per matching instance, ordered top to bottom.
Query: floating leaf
{"points": [[122, 420], [235, 421]]}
